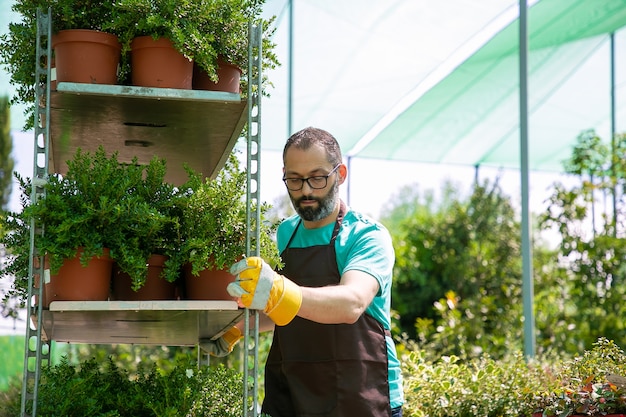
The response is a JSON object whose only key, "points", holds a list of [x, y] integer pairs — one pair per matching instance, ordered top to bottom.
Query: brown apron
{"points": [[332, 370]]}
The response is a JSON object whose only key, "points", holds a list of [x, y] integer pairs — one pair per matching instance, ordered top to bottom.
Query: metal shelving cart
{"points": [[192, 126]]}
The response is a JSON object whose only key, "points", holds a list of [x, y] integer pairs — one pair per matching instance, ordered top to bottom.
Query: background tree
{"points": [[6, 147], [592, 245], [458, 251], [458, 276], [10, 308]]}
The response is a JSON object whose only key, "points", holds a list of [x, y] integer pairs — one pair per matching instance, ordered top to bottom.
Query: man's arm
{"points": [[259, 287], [343, 303]]}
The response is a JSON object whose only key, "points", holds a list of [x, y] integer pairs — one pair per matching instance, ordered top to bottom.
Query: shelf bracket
{"points": [[253, 217], [36, 351]]}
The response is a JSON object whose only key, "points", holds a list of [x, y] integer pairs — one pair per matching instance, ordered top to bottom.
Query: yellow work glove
{"points": [[260, 288], [223, 345]]}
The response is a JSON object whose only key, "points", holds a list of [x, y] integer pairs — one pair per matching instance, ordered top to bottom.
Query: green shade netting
{"points": [[395, 80], [472, 115]]}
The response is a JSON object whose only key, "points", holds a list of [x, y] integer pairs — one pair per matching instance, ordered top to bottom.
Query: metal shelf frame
{"points": [[141, 122]]}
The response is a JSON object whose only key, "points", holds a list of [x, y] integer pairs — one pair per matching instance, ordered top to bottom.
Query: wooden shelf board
{"points": [[196, 127], [171, 323]]}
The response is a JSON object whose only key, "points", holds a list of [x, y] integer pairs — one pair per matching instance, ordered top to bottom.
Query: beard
{"points": [[325, 207]]}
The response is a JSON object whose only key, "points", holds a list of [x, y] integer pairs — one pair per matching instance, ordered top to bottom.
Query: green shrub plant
{"points": [[593, 384], [103, 389]]}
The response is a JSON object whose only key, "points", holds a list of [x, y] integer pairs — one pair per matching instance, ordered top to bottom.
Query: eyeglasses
{"points": [[318, 182]]}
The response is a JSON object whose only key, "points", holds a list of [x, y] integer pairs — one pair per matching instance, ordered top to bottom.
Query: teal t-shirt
{"points": [[364, 245]]}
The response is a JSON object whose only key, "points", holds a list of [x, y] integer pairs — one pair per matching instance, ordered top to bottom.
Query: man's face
{"points": [[312, 204], [313, 207]]}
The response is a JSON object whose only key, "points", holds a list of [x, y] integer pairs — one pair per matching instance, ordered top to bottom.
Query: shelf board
{"points": [[196, 127], [170, 323]]}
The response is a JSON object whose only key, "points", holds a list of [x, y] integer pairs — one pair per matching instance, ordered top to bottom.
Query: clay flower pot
{"points": [[86, 56], [156, 63], [228, 78], [76, 282], [155, 287]]}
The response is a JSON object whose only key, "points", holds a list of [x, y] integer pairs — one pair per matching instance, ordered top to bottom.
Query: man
{"points": [[332, 354]]}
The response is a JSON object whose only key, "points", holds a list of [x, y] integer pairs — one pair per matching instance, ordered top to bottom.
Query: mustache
{"points": [[308, 198]]}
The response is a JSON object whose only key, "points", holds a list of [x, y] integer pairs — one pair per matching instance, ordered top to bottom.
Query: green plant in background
{"points": [[7, 162], [588, 215], [15, 239], [461, 256], [457, 279], [593, 384], [447, 386]]}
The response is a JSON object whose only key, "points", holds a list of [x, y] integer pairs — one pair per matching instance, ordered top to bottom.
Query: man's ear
{"points": [[342, 172]]}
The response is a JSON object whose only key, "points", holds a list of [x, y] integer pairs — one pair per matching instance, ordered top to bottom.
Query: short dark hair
{"points": [[309, 136]]}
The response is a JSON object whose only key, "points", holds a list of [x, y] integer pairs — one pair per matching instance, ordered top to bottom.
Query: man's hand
{"points": [[260, 288], [223, 345]]}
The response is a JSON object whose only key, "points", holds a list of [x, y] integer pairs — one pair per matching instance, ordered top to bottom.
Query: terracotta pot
{"points": [[86, 56], [156, 63], [228, 75], [75, 282], [210, 284], [155, 287]]}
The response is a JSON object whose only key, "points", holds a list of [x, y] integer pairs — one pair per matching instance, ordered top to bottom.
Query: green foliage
{"points": [[201, 30], [17, 46], [6, 147], [101, 203], [98, 204], [130, 209], [589, 217], [214, 224], [15, 239], [458, 251], [457, 282], [12, 358], [588, 384], [513, 385], [481, 386], [103, 389], [10, 399]]}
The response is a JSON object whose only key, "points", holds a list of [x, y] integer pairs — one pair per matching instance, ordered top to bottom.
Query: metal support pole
{"points": [[290, 73], [253, 212], [527, 265], [35, 350]]}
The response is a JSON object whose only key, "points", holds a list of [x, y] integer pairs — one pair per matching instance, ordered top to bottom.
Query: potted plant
{"points": [[229, 30], [201, 31], [162, 38], [18, 45], [98, 208], [213, 227], [153, 278]]}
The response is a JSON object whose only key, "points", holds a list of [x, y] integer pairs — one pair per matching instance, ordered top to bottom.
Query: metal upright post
{"points": [[253, 212], [35, 350]]}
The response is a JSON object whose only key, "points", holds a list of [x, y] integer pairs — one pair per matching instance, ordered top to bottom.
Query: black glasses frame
{"points": [[314, 178]]}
